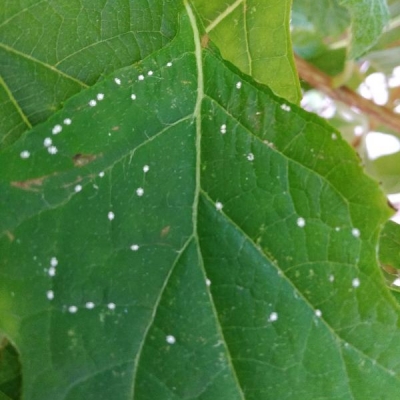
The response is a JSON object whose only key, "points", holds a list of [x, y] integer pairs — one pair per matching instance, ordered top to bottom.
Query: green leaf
{"points": [[323, 17], [369, 17], [330, 18], [254, 35], [50, 51], [386, 170], [192, 236], [389, 247], [389, 256]]}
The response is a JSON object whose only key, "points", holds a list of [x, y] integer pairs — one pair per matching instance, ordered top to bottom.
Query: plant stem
{"points": [[324, 83]]}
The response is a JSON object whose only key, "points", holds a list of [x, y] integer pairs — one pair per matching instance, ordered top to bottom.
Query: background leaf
{"points": [[369, 17], [330, 18], [254, 35], [50, 50], [386, 169], [187, 234]]}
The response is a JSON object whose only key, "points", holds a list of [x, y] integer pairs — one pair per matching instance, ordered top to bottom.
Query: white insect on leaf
{"points": [[56, 129], [52, 150], [25, 154], [301, 222], [355, 232], [355, 283], [50, 295], [273, 317], [170, 339]]}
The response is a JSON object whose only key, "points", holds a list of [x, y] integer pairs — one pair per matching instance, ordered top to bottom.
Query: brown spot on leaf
{"points": [[205, 39], [115, 128], [80, 160], [29, 184], [165, 231], [10, 236]]}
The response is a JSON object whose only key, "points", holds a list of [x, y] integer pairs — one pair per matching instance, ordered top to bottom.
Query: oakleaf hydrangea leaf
{"points": [[177, 231]]}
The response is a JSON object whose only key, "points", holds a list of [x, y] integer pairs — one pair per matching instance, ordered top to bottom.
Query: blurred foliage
{"points": [[321, 35]]}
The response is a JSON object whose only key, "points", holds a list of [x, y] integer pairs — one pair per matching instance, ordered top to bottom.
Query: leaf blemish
{"points": [[117, 81], [100, 96], [92, 103], [285, 107], [67, 121], [223, 129], [80, 160], [28, 185], [140, 192], [219, 206], [111, 215], [165, 231], [134, 247]]}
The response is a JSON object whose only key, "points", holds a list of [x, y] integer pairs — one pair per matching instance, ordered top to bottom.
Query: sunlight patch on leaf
{"points": [[254, 36]]}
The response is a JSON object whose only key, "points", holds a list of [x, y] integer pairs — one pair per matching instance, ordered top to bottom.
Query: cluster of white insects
{"points": [[52, 149]]}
